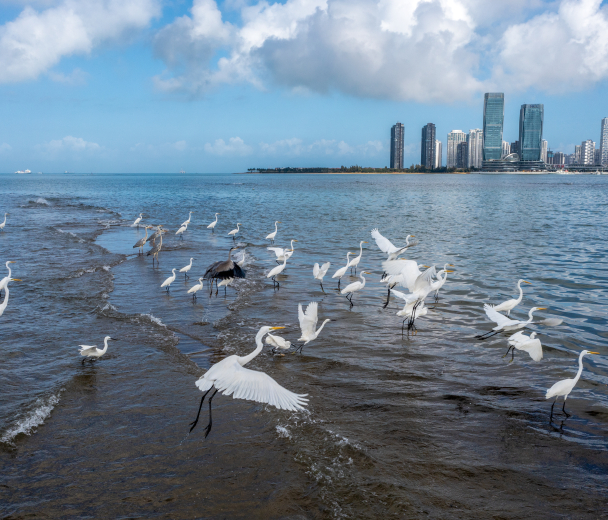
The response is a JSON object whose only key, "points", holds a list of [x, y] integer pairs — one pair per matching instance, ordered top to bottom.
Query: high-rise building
{"points": [[493, 119], [531, 132], [454, 138], [604, 142], [428, 145], [544, 145], [397, 146], [515, 147], [474, 148], [506, 149], [587, 152], [577, 154], [462, 155], [550, 156], [438, 157], [598, 157], [559, 158], [570, 159]]}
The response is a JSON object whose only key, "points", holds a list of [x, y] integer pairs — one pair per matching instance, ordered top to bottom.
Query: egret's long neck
{"points": [[216, 219], [4, 220], [276, 227], [407, 240], [292, 244], [360, 249], [347, 258], [9, 270], [362, 279], [521, 292], [5, 302], [530, 316], [321, 328], [258, 341], [105, 346], [580, 368]]}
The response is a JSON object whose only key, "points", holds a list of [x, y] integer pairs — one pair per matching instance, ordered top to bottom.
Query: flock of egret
{"points": [[229, 375]]}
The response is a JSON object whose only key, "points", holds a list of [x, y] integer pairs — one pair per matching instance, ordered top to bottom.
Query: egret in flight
{"points": [[137, 220], [186, 222], [3, 223], [213, 224], [182, 230], [234, 231], [274, 233], [142, 242], [386, 246], [281, 253], [355, 261], [186, 269], [222, 270], [342, 271], [320, 272], [401, 272], [273, 273], [4, 282], [167, 283], [195, 288], [351, 288], [509, 305], [411, 310], [308, 323], [504, 323], [277, 342], [530, 344], [92, 352], [230, 377], [565, 386]]}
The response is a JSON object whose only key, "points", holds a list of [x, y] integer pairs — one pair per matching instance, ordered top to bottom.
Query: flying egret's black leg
{"points": [[339, 279], [322, 287], [225, 294], [387, 298], [487, 335], [507, 353], [512, 355], [193, 423], [208, 428]]}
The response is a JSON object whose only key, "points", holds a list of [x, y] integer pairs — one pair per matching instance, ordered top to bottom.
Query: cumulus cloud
{"points": [[36, 40], [70, 143], [234, 146], [296, 147]]}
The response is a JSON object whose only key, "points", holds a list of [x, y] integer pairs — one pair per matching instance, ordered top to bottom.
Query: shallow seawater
{"points": [[435, 425]]}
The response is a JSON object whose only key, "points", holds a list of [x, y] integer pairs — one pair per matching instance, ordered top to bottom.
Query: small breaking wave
{"points": [[26, 426]]}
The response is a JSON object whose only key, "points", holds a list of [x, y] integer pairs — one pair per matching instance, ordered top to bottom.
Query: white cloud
{"points": [[36, 41], [76, 77], [70, 143], [180, 145], [234, 146], [296, 147]]}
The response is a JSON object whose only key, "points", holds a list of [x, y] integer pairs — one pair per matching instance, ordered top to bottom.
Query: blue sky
{"points": [[153, 86]]}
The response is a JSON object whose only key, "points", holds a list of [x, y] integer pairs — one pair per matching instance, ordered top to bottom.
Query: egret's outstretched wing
{"points": [[383, 243], [276, 250], [325, 267], [396, 267], [315, 270], [425, 279], [399, 294], [496, 317], [308, 319], [551, 322], [517, 338], [533, 347], [87, 349], [243, 383]]}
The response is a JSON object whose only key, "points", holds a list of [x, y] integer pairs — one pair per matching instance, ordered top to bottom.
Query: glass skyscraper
{"points": [[493, 119], [531, 132], [428, 146], [397, 147]]}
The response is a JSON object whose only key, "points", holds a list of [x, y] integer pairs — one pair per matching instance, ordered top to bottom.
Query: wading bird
{"points": [[137, 220], [186, 222], [3, 223], [213, 224], [182, 230], [235, 231], [274, 233], [156, 234], [142, 242], [386, 246], [157, 248], [281, 253], [355, 261], [186, 269], [223, 270], [342, 271], [274, 272], [320, 272], [401, 272], [4, 282], [167, 283], [224, 283], [438, 284], [195, 288], [351, 288], [4, 304], [509, 305], [411, 310], [504, 323], [308, 324], [277, 342], [530, 344], [92, 352], [230, 377], [565, 386]]}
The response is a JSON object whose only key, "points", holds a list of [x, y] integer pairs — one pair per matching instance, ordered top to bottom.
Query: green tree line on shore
{"points": [[414, 168]]}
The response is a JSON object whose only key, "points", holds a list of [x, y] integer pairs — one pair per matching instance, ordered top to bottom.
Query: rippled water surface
{"points": [[437, 425]]}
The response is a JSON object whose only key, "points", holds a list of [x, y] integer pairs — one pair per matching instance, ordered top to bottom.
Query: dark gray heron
{"points": [[141, 242], [157, 248], [224, 270]]}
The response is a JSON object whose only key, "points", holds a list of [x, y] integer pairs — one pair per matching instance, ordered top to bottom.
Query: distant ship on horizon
{"points": [[23, 171]]}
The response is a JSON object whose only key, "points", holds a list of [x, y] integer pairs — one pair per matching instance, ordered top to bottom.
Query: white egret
{"points": [[137, 220], [186, 222], [3, 223], [213, 224], [182, 230], [234, 231], [274, 233], [142, 242], [386, 246], [282, 253], [241, 258], [355, 261], [186, 269], [224, 269], [342, 271], [320, 272], [401, 272], [273, 273], [4, 282], [167, 283], [224, 283], [438, 284], [354, 287], [195, 288], [4, 304], [509, 305], [411, 310], [308, 323], [504, 323], [277, 342], [530, 344], [92, 352], [231, 378], [565, 386]]}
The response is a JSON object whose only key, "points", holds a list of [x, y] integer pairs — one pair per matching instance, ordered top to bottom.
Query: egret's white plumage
{"points": [[137, 220], [186, 222], [3, 223], [213, 224], [182, 230], [234, 231], [274, 233], [386, 246], [281, 253], [355, 261], [186, 269], [276, 271], [342, 271], [320, 272], [401, 272], [4, 282], [167, 283], [224, 283], [439, 283], [195, 288], [351, 288], [4, 304], [509, 305], [308, 322], [504, 323], [277, 342], [530, 344], [92, 352], [230, 377]]}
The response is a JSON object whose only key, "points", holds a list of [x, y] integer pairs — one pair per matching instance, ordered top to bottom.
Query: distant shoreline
{"points": [[352, 173]]}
